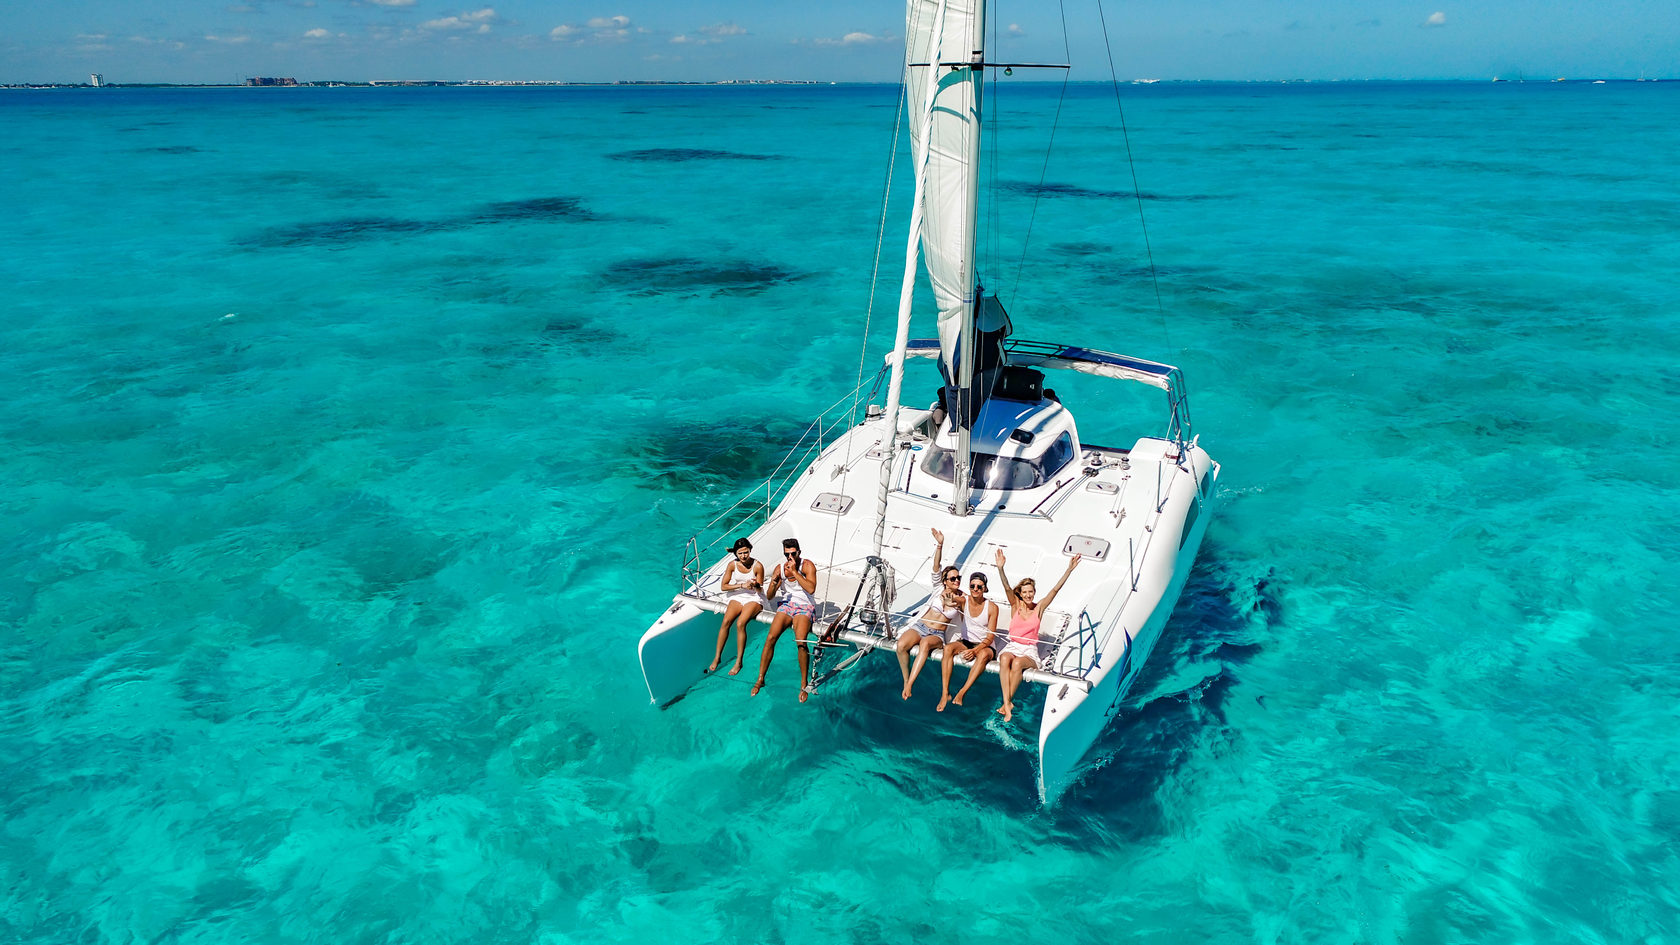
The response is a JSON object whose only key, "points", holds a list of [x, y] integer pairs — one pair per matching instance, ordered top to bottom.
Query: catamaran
{"points": [[999, 465]]}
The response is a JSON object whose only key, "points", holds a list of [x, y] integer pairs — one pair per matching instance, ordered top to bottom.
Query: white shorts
{"points": [[1028, 650]]}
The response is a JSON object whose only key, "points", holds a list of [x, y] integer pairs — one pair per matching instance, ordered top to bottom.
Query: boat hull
{"points": [[1072, 719]]}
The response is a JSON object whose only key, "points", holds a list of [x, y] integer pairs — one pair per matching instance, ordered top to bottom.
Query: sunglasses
{"points": [[790, 554], [953, 579], [977, 587]]}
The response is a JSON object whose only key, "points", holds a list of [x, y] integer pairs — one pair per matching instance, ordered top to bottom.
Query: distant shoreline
{"points": [[400, 83], [635, 83]]}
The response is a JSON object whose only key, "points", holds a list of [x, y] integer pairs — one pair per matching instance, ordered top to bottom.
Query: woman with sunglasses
{"points": [[743, 581], [944, 604], [974, 640], [1021, 652]]}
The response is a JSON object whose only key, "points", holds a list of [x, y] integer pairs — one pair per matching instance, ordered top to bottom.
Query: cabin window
{"points": [[1003, 473]]}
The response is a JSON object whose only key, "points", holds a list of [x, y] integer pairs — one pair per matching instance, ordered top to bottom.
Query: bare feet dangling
{"points": [[736, 669], [757, 686], [804, 693], [942, 701]]}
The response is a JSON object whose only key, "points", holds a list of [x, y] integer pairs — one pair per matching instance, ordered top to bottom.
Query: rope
{"points": [[1045, 170], [1137, 194]]}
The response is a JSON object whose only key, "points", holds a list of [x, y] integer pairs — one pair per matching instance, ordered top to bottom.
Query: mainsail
{"points": [[950, 140]]}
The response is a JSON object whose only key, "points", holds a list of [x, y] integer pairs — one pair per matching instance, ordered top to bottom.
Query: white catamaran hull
{"points": [[1137, 501]]}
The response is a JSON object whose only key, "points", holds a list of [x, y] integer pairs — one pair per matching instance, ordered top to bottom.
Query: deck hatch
{"points": [[832, 503], [1094, 548]]}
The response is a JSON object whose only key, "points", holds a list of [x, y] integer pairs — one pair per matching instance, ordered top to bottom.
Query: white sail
{"points": [[952, 145]]}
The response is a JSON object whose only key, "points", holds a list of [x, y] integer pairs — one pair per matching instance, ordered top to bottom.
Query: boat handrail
{"points": [[841, 415]]}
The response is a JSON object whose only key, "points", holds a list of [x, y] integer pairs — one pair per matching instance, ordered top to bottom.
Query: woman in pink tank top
{"points": [[1025, 615]]}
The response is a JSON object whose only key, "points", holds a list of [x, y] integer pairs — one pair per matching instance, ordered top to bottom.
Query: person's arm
{"points": [[938, 557], [729, 569], [807, 576], [775, 581], [1008, 589], [1044, 605], [991, 626]]}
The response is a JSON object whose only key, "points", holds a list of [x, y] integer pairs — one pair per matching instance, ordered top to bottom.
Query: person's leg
{"points": [[749, 613], [729, 615], [777, 625], [802, 630], [906, 640], [930, 642], [953, 650], [982, 656], [1006, 664], [1013, 669]]}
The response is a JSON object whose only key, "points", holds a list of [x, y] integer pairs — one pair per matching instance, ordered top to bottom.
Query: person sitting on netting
{"points": [[743, 582], [944, 603], [797, 609], [1025, 616], [973, 641]]}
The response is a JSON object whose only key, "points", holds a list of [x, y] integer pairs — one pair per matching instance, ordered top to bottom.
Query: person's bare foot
{"points": [[714, 666], [736, 669], [757, 686], [906, 691], [804, 693], [958, 699], [942, 701], [999, 710], [1008, 712]]}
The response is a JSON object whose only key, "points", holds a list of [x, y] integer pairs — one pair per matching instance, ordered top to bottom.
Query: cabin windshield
{"points": [[1003, 473]]}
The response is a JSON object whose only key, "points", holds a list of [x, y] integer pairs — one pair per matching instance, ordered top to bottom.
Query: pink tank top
{"points": [[1024, 629]]}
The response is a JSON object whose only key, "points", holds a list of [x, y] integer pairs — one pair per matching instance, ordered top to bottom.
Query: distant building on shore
{"points": [[96, 80], [270, 80]]}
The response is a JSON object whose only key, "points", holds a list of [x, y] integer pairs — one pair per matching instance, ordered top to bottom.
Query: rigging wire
{"points": [[1048, 147], [1137, 194], [875, 271]]}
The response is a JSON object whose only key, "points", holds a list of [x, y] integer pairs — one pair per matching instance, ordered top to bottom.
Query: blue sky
{"points": [[604, 40]]}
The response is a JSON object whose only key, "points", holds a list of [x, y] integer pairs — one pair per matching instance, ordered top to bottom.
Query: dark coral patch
{"points": [[675, 155], [1052, 189], [536, 208], [345, 230], [687, 274]]}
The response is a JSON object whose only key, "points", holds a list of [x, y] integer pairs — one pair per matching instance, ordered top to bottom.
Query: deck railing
{"points": [[705, 546]]}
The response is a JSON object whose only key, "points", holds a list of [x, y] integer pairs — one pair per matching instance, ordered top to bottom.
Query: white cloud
{"points": [[391, 3], [1435, 19], [477, 21], [595, 30], [1015, 30], [317, 33], [716, 33], [855, 38], [227, 39]]}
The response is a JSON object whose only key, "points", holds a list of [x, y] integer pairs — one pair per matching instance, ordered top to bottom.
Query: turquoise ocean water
{"points": [[351, 438]]}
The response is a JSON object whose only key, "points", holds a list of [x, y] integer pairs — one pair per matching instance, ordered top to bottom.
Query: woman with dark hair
{"points": [[743, 581], [944, 603], [974, 640], [1021, 653]]}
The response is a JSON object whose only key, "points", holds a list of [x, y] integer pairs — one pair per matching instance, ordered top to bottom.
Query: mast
{"points": [[944, 49], [907, 286], [969, 345]]}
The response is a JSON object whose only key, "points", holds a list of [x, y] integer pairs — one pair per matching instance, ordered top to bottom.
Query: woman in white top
{"points": [[743, 582], [944, 606], [975, 639]]}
